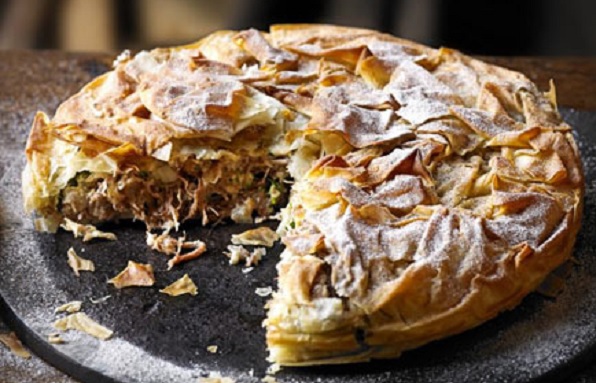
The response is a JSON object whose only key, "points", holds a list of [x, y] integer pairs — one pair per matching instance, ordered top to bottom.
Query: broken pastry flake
{"points": [[274, 217], [88, 232], [261, 236], [164, 243], [236, 254], [255, 256], [77, 263], [135, 274], [184, 285], [264, 291], [100, 300], [70, 307], [81, 322], [55, 339], [15, 346], [212, 349], [273, 369]]}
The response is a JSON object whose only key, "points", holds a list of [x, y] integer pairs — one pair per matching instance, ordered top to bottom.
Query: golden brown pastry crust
{"points": [[432, 190]]}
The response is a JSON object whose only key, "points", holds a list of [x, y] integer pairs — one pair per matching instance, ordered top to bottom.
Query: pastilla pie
{"points": [[424, 191]]}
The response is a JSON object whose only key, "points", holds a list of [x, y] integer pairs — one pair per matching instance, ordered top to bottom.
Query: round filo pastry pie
{"points": [[422, 191]]}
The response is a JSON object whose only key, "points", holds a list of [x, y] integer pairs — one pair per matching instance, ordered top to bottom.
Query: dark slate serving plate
{"points": [[163, 339]]}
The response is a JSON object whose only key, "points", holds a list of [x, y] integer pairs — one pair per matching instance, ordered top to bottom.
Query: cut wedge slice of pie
{"points": [[428, 191]]}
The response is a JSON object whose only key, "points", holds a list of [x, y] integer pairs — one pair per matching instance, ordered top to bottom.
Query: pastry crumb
{"points": [[123, 57], [88, 232], [261, 236], [236, 254], [255, 256], [77, 263], [264, 291], [99, 300], [70, 307], [81, 322], [55, 339], [15, 346], [212, 349], [273, 369]]}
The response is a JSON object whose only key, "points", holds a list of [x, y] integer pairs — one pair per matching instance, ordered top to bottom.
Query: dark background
{"points": [[524, 27]]}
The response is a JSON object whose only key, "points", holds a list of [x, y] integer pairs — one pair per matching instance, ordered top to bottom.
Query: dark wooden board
{"points": [[159, 338]]}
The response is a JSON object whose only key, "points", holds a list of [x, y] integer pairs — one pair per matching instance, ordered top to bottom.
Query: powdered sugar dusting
{"points": [[420, 112], [480, 121], [531, 225]]}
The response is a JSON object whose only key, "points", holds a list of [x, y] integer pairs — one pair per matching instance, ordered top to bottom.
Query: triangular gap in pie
{"points": [[429, 191]]}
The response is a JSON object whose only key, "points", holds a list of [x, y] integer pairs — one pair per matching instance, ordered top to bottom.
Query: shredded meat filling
{"points": [[208, 190]]}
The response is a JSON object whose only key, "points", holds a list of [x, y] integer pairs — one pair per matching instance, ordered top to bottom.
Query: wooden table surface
{"points": [[33, 80]]}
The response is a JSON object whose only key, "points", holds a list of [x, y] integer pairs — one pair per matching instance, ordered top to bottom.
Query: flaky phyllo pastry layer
{"points": [[428, 191]]}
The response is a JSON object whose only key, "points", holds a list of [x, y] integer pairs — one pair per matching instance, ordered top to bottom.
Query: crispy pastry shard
{"points": [[88, 232], [262, 236], [238, 253], [255, 256], [77, 263], [135, 274], [184, 285], [70, 307], [81, 322], [55, 339], [15, 346], [212, 349]]}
